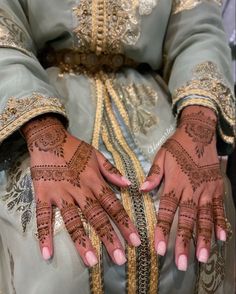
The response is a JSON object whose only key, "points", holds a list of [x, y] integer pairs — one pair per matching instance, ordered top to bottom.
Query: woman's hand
{"points": [[68, 173], [193, 183]]}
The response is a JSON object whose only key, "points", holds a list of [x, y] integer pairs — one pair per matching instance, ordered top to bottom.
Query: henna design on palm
{"points": [[200, 128], [47, 134], [111, 168], [154, 170], [69, 172], [196, 174], [113, 206], [166, 212], [70, 214], [43, 216], [187, 217], [98, 219], [205, 221]]}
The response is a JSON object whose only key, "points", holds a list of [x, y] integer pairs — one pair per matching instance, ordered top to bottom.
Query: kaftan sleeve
{"points": [[197, 64], [24, 88]]}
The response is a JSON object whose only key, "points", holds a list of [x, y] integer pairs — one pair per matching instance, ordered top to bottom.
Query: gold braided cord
{"points": [[99, 88], [116, 99], [149, 207], [131, 252], [96, 280]]}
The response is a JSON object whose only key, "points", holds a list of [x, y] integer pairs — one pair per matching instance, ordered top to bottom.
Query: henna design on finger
{"points": [[200, 128], [47, 134], [111, 168], [154, 170], [70, 172], [196, 174], [113, 207], [166, 212], [218, 212], [70, 214], [43, 216], [187, 218], [98, 219], [205, 222]]}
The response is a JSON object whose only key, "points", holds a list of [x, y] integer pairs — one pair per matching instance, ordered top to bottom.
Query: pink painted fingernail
{"points": [[126, 181], [144, 186], [222, 235], [134, 239], [161, 248], [46, 253], [203, 255], [119, 257], [91, 258], [182, 262]]}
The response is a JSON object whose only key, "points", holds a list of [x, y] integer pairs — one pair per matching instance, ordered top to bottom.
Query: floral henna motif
{"points": [[200, 128], [46, 134], [111, 168], [154, 170], [70, 172], [195, 173], [113, 207], [167, 209], [218, 212], [43, 215], [187, 217], [98, 219], [205, 221], [73, 223]]}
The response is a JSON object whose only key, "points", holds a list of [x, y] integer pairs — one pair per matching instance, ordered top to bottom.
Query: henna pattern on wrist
{"points": [[200, 128], [46, 134], [111, 168], [154, 170], [69, 172], [196, 174], [113, 207], [166, 212], [43, 216], [187, 218], [98, 219], [205, 221], [73, 223]]}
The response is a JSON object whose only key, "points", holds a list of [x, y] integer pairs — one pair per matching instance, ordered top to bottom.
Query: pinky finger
{"points": [[219, 216]]}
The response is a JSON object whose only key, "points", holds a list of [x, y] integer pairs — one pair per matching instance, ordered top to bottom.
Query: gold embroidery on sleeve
{"points": [[181, 5], [106, 26], [11, 35], [208, 88], [19, 111]]}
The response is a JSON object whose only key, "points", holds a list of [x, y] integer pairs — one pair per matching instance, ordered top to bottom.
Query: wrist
{"points": [[188, 110], [44, 132]]}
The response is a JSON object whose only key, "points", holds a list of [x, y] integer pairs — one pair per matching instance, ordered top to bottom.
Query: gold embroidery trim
{"points": [[182, 5], [107, 26], [12, 35], [208, 88], [21, 110], [149, 208], [131, 264], [96, 281]]}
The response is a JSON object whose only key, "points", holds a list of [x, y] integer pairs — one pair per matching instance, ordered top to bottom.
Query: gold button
{"points": [[92, 59], [117, 60]]}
